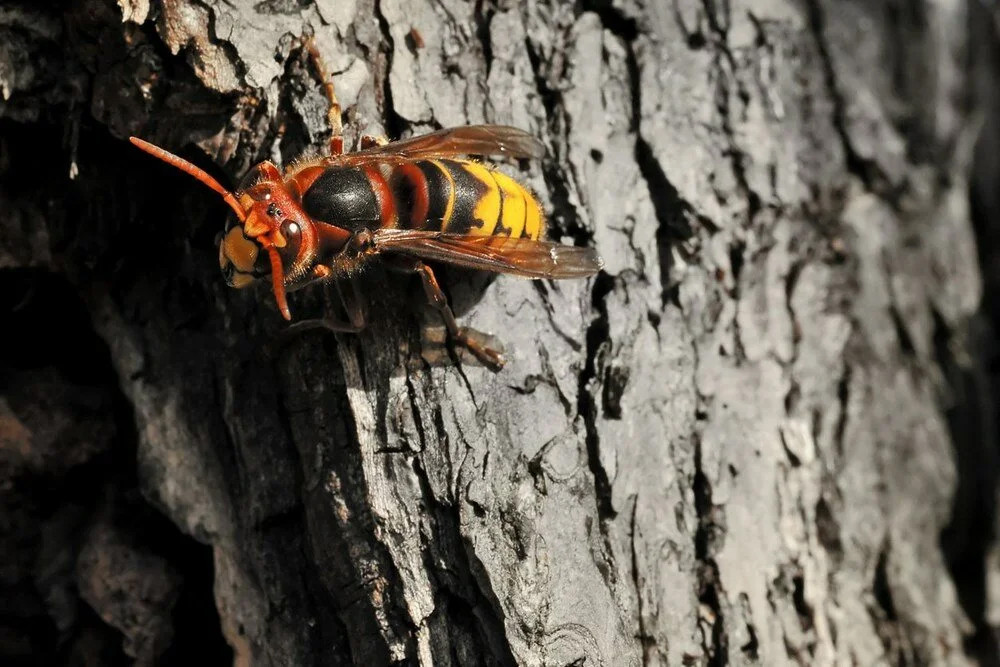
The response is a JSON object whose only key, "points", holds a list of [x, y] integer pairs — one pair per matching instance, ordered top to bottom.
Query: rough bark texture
{"points": [[763, 435]]}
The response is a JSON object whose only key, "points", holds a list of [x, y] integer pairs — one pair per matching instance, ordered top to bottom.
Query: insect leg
{"points": [[333, 114], [369, 141], [351, 300], [353, 303], [490, 357]]}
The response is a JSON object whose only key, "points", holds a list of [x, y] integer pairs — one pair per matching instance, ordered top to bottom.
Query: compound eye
{"points": [[290, 229]]}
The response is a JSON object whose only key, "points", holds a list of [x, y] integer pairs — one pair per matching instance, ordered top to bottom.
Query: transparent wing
{"points": [[467, 140], [500, 254]]}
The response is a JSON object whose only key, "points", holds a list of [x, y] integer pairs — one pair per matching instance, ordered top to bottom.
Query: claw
{"points": [[471, 346]]}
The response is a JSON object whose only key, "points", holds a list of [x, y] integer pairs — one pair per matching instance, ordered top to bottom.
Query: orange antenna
{"points": [[189, 168], [277, 279]]}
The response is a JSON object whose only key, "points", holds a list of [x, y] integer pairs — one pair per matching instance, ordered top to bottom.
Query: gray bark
{"points": [[731, 447]]}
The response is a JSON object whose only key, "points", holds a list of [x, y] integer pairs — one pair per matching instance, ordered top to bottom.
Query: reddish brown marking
{"points": [[336, 145], [269, 172], [304, 178], [421, 194], [283, 198], [387, 207], [330, 238]]}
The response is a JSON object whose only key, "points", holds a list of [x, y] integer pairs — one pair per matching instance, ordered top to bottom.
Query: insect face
{"points": [[269, 233], [271, 237], [274, 237], [240, 258]]}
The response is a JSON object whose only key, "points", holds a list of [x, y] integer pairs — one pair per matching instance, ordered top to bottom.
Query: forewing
{"points": [[467, 140], [500, 254]]}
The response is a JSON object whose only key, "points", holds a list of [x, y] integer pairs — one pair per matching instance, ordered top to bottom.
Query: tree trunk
{"points": [[762, 435]]}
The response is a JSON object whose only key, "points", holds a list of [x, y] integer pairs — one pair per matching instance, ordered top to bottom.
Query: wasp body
{"points": [[441, 195], [406, 202]]}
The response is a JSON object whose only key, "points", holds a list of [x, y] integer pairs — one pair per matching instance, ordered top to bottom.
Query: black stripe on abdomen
{"points": [[469, 190], [438, 192]]}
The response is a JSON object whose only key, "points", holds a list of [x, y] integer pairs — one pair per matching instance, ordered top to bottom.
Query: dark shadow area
{"points": [[972, 421], [85, 557]]}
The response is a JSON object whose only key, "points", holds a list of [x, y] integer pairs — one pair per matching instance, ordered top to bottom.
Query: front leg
{"points": [[353, 305]]}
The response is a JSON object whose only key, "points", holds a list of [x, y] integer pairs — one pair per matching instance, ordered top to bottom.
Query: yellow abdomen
{"points": [[466, 197]]}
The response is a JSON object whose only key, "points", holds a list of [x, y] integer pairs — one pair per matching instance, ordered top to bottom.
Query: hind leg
{"points": [[471, 340]]}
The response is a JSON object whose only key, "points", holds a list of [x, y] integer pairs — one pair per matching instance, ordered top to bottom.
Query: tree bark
{"points": [[761, 435]]}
